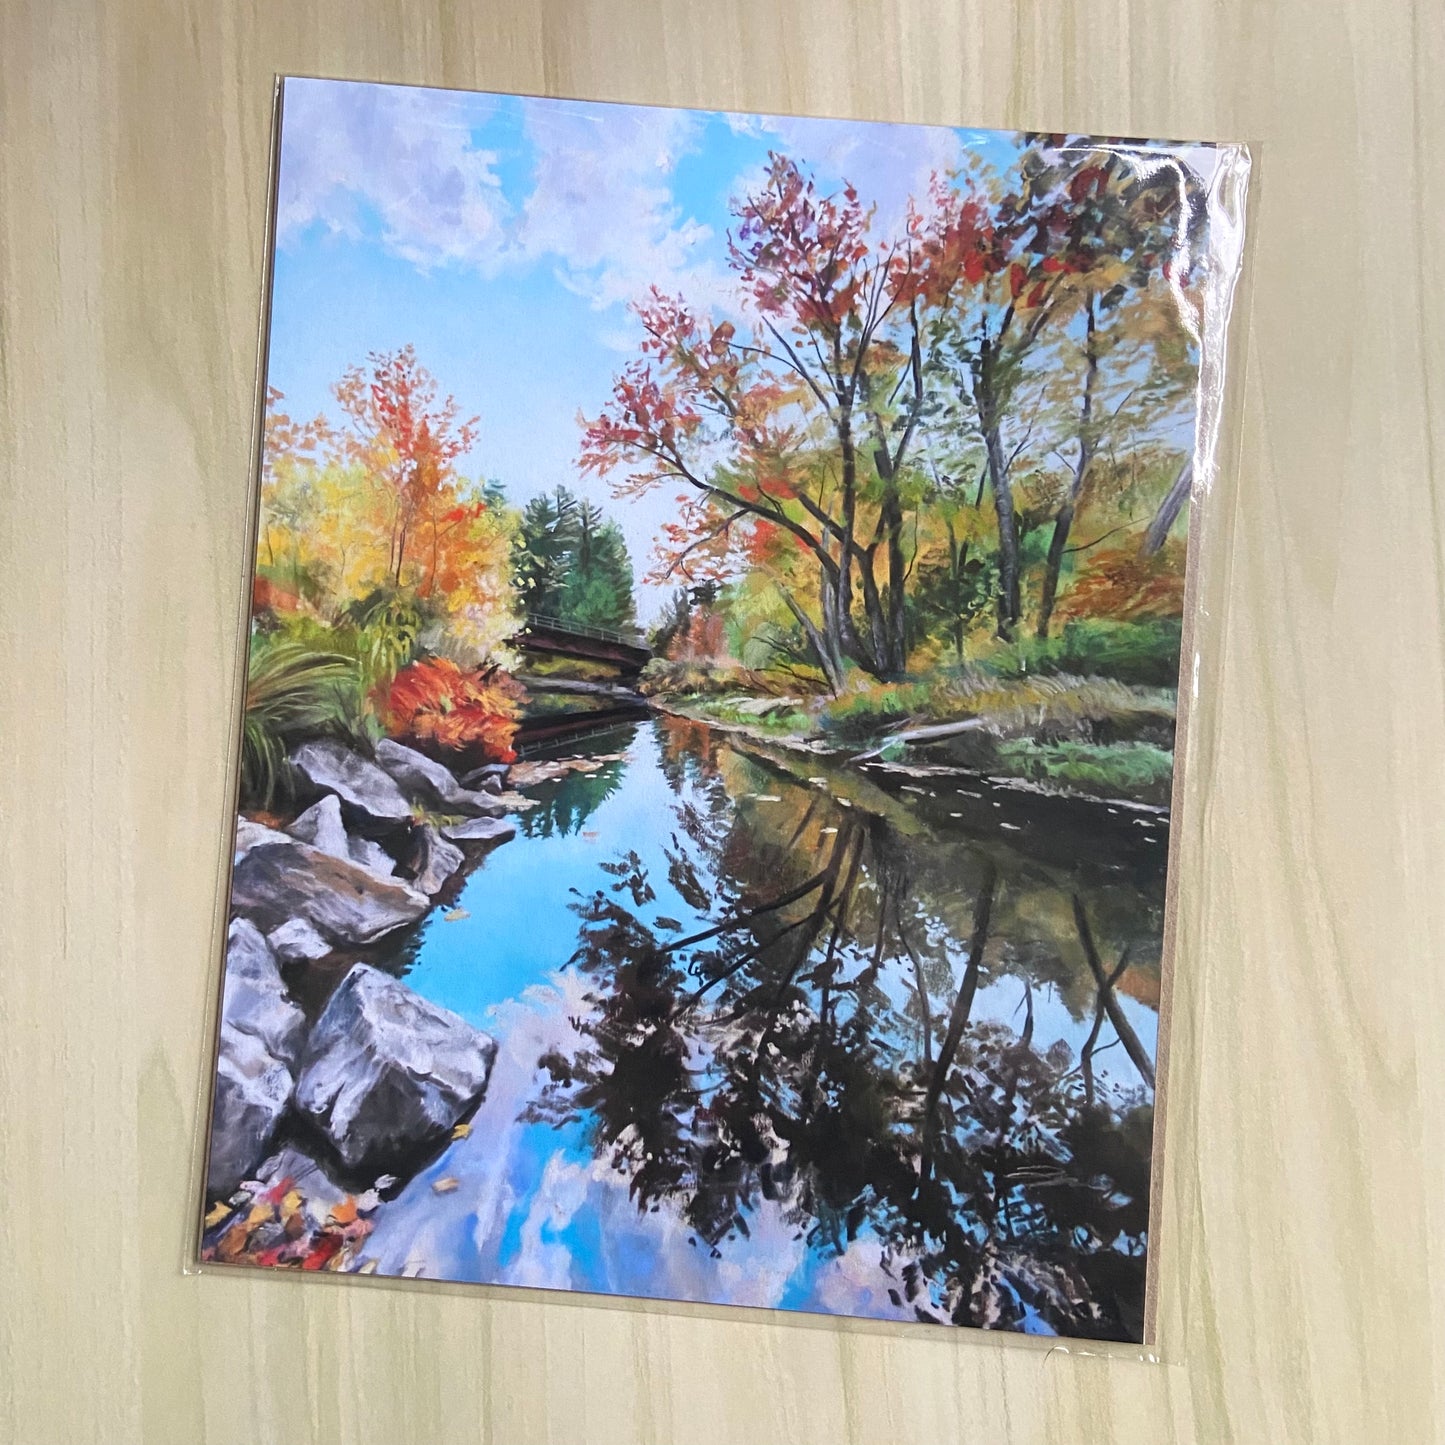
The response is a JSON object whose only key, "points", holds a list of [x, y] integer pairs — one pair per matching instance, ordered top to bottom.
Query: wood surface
{"points": [[1302, 1229]]}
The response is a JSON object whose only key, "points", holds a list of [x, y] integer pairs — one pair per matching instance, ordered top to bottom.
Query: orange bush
{"points": [[1125, 587], [435, 700]]}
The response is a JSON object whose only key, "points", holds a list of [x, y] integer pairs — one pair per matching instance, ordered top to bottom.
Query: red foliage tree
{"points": [[1004, 268], [737, 419]]}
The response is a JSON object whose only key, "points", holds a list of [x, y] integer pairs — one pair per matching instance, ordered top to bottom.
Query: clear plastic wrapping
{"points": [[721, 619]]}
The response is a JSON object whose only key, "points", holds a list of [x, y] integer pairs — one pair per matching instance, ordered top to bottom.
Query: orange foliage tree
{"points": [[407, 437], [385, 512], [1127, 585]]}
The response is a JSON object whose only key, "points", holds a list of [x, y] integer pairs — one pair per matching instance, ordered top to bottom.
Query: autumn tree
{"points": [[1006, 265], [1122, 395], [806, 424], [403, 433], [289, 451], [373, 529]]}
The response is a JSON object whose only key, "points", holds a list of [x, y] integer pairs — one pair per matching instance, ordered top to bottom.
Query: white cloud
{"points": [[741, 123], [405, 153], [602, 204], [600, 210], [544, 1261]]}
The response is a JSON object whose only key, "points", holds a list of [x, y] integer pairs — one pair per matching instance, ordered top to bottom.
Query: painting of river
{"points": [[703, 797]]}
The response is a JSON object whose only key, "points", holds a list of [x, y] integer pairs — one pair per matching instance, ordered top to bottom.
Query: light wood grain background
{"points": [[1302, 1225]]}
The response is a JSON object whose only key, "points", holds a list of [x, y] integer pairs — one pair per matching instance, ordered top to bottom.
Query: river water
{"points": [[744, 1057]]}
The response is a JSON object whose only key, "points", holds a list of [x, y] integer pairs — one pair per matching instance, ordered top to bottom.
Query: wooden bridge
{"points": [[552, 637]]}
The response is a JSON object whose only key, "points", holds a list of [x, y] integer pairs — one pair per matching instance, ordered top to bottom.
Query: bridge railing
{"points": [[578, 629]]}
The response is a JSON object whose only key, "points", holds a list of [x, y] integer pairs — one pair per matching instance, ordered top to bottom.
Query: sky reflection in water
{"points": [[539, 1201]]}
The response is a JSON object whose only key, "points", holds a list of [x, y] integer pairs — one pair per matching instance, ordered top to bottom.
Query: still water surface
{"points": [[744, 1056]]}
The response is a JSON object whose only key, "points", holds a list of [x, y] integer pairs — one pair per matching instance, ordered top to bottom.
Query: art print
{"points": [[709, 722]]}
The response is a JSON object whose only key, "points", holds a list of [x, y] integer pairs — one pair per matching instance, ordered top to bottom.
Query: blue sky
{"points": [[505, 237]]}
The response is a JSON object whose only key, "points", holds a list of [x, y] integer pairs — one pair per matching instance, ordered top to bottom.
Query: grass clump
{"points": [[1138, 654], [292, 693], [1138, 771]]}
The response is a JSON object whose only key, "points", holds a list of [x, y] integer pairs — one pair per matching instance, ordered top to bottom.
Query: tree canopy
{"points": [[831, 441]]}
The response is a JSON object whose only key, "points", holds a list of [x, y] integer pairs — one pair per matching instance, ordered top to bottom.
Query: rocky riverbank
{"points": [[315, 1117]]}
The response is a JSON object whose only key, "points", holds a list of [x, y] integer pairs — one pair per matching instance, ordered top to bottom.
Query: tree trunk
{"points": [[1087, 442], [1169, 508], [1010, 603], [824, 642], [849, 643], [933, 732], [963, 1001], [1122, 1027]]}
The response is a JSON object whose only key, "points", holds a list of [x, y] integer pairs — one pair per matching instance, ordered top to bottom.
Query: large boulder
{"points": [[429, 783], [368, 794], [321, 825], [480, 830], [371, 856], [432, 860], [344, 902], [255, 1001], [385, 1073], [253, 1088]]}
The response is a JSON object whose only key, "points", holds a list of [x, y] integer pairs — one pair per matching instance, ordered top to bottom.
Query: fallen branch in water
{"points": [[581, 689], [932, 733]]}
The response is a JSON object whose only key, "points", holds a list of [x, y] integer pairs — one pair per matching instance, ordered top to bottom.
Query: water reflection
{"points": [[836, 1047]]}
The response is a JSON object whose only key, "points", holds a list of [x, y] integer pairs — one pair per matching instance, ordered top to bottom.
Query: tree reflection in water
{"points": [[817, 1046]]}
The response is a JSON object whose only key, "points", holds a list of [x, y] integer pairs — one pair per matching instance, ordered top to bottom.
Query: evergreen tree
{"points": [[572, 563]]}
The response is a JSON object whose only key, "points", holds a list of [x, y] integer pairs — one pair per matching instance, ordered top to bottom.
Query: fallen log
{"points": [[581, 689], [932, 733]]}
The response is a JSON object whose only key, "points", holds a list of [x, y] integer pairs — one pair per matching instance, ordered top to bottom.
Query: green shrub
{"points": [[1145, 654], [292, 693], [866, 706], [781, 715]]}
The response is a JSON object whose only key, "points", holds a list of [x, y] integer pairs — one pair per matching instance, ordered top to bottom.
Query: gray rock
{"points": [[490, 777], [428, 782], [367, 793], [321, 826], [480, 830], [251, 835], [372, 856], [433, 860], [345, 903], [296, 941], [254, 1000], [386, 1073], [253, 1088], [306, 1177]]}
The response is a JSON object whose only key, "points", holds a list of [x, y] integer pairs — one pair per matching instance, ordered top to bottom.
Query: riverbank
{"points": [[1079, 737], [334, 1079]]}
